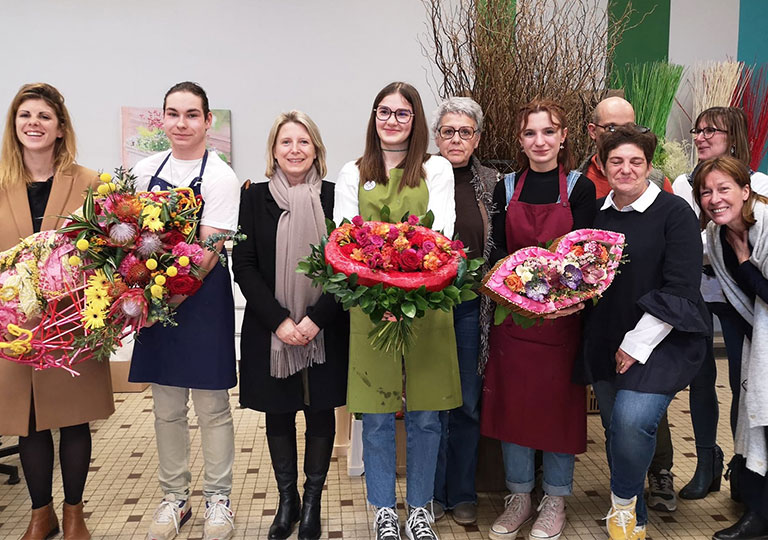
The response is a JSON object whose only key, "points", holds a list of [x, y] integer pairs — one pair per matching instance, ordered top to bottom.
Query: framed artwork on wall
{"points": [[142, 134]]}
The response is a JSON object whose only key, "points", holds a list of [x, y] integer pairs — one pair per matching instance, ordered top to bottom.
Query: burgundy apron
{"points": [[528, 396]]}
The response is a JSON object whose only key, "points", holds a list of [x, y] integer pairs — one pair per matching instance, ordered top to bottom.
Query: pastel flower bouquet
{"points": [[394, 272], [534, 281], [75, 293]]}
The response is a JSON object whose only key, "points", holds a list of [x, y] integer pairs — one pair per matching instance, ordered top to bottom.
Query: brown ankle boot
{"points": [[74, 523], [43, 524]]}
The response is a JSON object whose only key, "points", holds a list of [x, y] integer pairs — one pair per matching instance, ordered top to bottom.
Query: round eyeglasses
{"points": [[403, 116], [465, 132], [708, 132]]}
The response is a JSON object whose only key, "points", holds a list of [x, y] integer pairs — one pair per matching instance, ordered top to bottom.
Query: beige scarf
{"points": [[302, 223]]}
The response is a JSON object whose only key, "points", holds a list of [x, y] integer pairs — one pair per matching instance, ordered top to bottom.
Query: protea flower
{"points": [[123, 233], [149, 243]]}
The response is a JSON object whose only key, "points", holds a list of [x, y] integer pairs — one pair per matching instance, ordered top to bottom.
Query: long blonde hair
{"points": [[12, 169]]}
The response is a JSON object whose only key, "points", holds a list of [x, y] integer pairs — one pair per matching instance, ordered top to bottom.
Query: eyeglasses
{"points": [[403, 116], [613, 127], [465, 132], [708, 132]]}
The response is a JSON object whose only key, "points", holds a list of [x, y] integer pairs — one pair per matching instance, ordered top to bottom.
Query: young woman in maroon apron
{"points": [[197, 356], [529, 401]]}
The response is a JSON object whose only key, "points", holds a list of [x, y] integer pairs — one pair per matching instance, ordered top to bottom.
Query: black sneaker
{"points": [[661, 491], [386, 524], [419, 524]]}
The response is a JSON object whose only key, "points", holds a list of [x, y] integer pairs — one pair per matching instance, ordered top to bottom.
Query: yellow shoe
{"points": [[621, 520], [638, 533]]}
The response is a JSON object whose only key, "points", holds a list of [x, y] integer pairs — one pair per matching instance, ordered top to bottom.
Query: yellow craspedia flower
{"points": [[105, 177], [103, 189], [82, 244], [74, 260], [183, 260], [151, 264], [172, 271], [160, 280], [156, 290], [93, 318]]}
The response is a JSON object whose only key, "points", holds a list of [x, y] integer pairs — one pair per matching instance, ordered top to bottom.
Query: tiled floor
{"points": [[122, 490]]}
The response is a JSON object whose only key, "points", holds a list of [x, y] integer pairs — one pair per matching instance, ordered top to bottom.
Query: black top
{"points": [[542, 188], [37, 194], [469, 222], [253, 264], [662, 276], [747, 276]]}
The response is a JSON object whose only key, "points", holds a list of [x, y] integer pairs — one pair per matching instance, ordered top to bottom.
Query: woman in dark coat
{"points": [[294, 347]]}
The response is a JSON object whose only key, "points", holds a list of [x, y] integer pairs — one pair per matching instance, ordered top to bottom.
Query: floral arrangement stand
{"points": [[119, 264], [395, 273], [535, 281]]}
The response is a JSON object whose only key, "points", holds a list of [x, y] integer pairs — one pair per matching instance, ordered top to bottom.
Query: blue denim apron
{"points": [[200, 351]]}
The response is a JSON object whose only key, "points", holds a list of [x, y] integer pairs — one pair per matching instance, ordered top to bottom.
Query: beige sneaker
{"points": [[517, 513], [170, 515], [219, 519], [551, 521]]}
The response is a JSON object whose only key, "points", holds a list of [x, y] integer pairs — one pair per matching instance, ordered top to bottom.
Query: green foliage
{"points": [[651, 88]]}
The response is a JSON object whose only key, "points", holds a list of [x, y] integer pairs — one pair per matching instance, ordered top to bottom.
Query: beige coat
{"points": [[60, 399]]}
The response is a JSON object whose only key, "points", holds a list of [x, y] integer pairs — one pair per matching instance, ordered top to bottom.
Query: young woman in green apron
{"points": [[396, 171]]}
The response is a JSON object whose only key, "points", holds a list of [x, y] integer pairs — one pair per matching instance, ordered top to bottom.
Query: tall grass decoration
{"points": [[717, 84], [651, 89], [755, 104]]}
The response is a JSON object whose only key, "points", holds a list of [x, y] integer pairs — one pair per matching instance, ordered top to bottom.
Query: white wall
{"points": [[699, 31], [257, 58]]}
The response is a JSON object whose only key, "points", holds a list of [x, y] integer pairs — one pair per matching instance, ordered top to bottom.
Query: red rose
{"points": [[173, 237], [418, 238], [347, 249], [409, 260], [180, 284]]}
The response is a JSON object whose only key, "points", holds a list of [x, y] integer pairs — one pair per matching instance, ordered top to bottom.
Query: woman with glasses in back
{"points": [[457, 125], [718, 132], [395, 170]]}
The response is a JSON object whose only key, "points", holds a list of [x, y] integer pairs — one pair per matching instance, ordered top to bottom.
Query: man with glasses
{"points": [[610, 113]]}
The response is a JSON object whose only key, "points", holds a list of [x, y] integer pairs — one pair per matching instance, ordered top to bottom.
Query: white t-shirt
{"points": [[439, 182], [220, 188]]}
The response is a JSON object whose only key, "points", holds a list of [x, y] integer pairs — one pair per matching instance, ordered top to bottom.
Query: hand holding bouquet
{"points": [[533, 281], [73, 294]]}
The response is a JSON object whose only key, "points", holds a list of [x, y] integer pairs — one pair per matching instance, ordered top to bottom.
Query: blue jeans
{"points": [[630, 420], [423, 441], [457, 459], [519, 469]]}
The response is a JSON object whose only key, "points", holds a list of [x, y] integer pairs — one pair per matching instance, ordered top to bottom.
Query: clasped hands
{"points": [[299, 334]]}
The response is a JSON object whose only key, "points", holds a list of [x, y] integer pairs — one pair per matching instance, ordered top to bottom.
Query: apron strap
{"points": [[160, 168], [570, 182]]}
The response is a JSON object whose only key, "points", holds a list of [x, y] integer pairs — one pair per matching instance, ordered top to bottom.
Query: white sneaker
{"points": [[170, 515], [219, 519]]}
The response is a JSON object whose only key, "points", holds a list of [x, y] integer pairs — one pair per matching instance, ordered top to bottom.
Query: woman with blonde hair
{"points": [[39, 181], [295, 340]]}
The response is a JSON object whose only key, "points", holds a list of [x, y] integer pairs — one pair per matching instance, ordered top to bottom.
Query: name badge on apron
{"points": [[369, 185]]}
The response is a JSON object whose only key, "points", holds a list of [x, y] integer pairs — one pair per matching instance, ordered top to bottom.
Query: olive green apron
{"points": [[431, 366]]}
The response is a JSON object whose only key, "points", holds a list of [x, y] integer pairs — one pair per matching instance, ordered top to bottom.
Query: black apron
{"points": [[200, 351]]}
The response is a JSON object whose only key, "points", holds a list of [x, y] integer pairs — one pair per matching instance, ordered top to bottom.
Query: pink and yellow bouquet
{"points": [[395, 273], [534, 281], [75, 293]]}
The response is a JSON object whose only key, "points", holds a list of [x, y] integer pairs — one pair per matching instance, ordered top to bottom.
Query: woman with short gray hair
{"points": [[457, 124]]}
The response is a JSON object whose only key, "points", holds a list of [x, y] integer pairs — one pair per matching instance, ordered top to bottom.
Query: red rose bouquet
{"points": [[394, 272]]}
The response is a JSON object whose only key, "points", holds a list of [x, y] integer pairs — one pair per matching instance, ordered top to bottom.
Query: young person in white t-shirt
{"points": [[198, 355]]}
